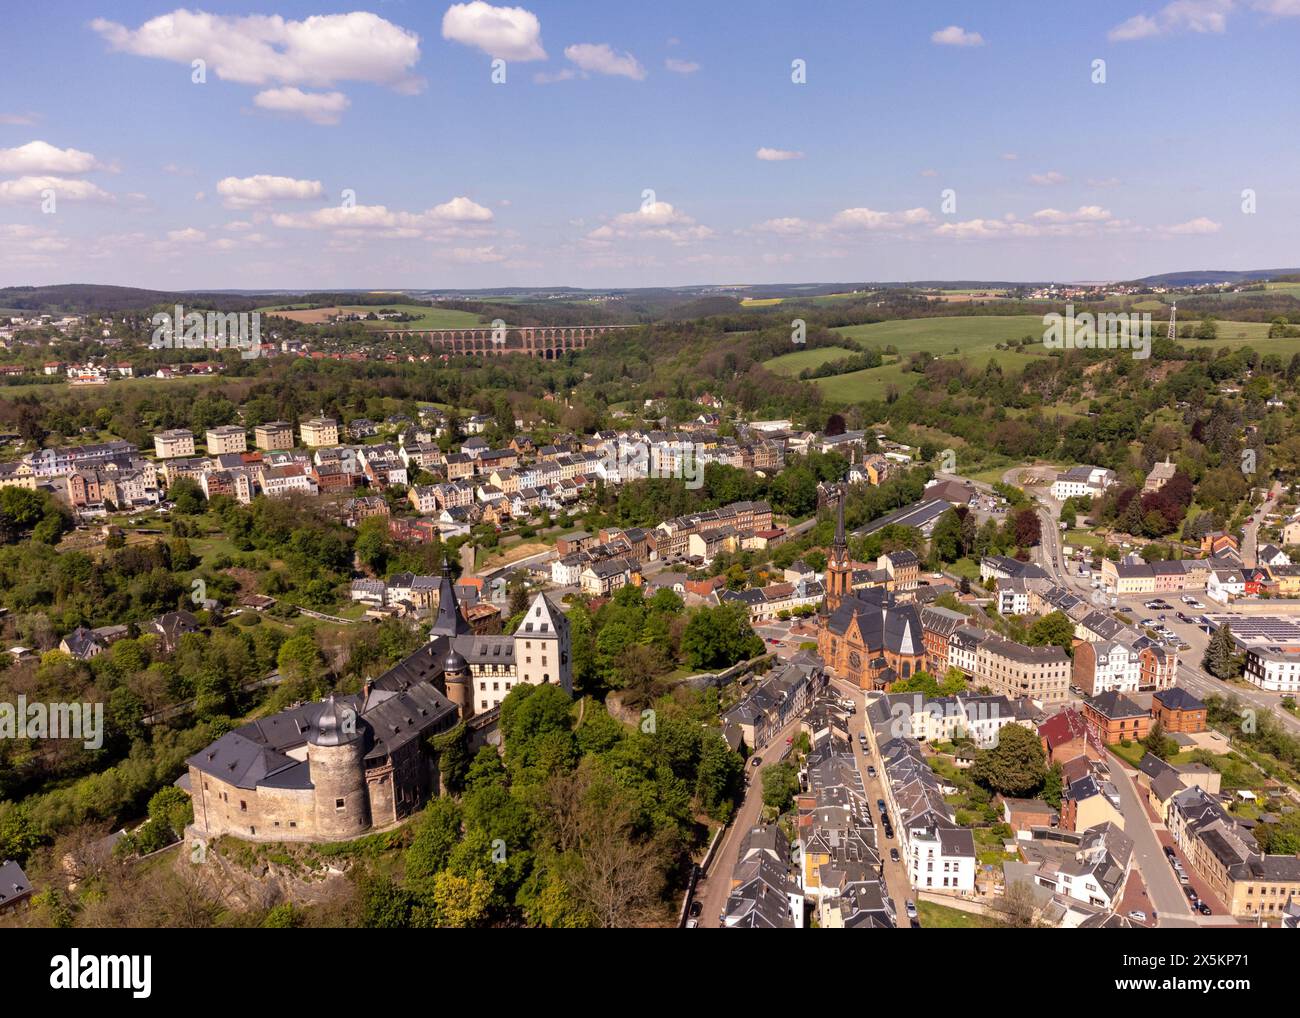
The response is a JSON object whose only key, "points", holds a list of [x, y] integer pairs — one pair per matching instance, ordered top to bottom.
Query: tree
{"points": [[1026, 527], [1054, 629], [1221, 659], [1158, 743], [1016, 766], [780, 784], [1017, 907]]}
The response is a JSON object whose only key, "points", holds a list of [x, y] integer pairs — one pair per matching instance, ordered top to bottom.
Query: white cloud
{"points": [[1201, 16], [511, 33], [954, 35], [270, 50], [600, 58], [681, 66], [318, 107], [19, 119], [777, 155], [42, 157], [1010, 157], [1047, 179], [32, 189], [242, 192], [1083, 214], [380, 217], [871, 219], [656, 221], [1193, 227], [189, 235]]}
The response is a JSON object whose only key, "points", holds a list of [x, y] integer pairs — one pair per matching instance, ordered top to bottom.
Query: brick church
{"points": [[867, 636]]}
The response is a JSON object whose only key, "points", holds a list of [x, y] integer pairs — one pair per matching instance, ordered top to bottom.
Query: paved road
{"points": [[1250, 532], [897, 881], [1161, 885], [715, 887]]}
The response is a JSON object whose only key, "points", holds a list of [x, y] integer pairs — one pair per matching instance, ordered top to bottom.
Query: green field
{"points": [[427, 318], [975, 338], [792, 363]]}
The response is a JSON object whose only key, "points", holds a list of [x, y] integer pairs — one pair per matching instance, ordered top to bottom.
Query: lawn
{"points": [[793, 363], [944, 917]]}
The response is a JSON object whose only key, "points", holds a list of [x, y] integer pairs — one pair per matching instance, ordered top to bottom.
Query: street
{"points": [[715, 886]]}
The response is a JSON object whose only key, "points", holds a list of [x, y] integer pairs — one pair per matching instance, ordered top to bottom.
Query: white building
{"points": [[1085, 480], [1274, 669], [941, 858]]}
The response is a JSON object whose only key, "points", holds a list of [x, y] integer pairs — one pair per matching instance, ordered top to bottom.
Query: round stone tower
{"points": [[458, 682], [335, 755]]}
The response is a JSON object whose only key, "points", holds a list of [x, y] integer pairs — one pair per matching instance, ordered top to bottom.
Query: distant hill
{"points": [[1201, 276], [79, 298]]}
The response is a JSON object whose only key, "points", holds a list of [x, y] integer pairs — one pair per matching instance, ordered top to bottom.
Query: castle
{"points": [[339, 768]]}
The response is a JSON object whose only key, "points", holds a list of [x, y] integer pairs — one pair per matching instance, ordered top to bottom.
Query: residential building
{"points": [[176, 442]]}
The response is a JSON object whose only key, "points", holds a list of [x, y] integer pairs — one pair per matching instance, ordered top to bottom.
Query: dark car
{"points": [[756, 761], [871, 771], [880, 805], [889, 833], [893, 855], [1191, 895], [696, 908], [1205, 909]]}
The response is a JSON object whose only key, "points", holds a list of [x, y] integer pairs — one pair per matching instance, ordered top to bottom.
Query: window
{"points": [[339, 804], [243, 806]]}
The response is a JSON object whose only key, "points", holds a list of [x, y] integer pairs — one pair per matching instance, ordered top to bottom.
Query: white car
{"points": [[1138, 916]]}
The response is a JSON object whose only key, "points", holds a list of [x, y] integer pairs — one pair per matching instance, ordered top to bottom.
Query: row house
{"points": [[287, 479], [354, 510]]}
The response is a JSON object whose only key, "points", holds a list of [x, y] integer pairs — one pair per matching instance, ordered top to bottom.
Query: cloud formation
{"points": [[510, 33], [954, 35], [269, 50]]}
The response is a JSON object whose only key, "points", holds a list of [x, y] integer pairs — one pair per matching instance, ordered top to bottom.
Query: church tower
{"points": [[839, 567], [457, 679]]}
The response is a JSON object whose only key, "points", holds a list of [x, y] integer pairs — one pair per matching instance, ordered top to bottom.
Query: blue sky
{"points": [[458, 181]]}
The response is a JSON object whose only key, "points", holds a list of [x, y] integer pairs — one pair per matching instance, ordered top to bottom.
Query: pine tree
{"points": [[1220, 658]]}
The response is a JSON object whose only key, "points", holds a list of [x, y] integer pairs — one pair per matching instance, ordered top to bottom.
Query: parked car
{"points": [[756, 761], [871, 770], [880, 805], [889, 833], [893, 855], [910, 905], [697, 907], [1204, 909], [1138, 916]]}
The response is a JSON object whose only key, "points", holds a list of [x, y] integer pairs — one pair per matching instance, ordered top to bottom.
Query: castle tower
{"points": [[839, 566], [543, 649], [458, 682], [336, 751]]}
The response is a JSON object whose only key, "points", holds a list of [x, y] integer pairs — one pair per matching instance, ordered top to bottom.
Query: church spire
{"points": [[840, 542], [450, 622]]}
